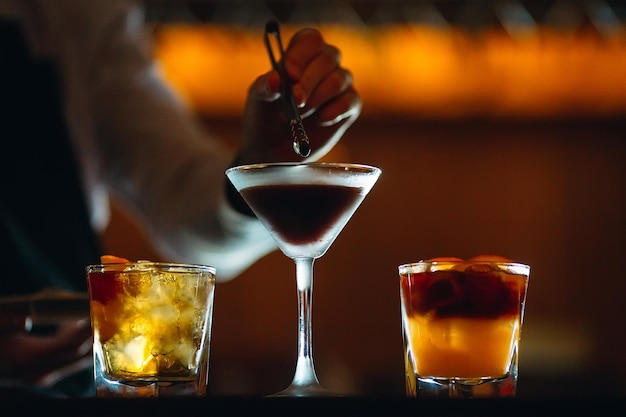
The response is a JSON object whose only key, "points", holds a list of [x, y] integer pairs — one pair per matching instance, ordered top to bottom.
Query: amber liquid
{"points": [[150, 325]]}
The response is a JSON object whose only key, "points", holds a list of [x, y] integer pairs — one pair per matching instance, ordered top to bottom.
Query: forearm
{"points": [[151, 152], [165, 165]]}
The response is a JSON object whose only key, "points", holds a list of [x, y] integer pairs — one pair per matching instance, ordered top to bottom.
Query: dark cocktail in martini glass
{"points": [[304, 206]]}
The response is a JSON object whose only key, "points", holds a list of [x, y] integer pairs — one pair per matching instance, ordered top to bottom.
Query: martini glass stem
{"points": [[305, 371], [305, 382]]}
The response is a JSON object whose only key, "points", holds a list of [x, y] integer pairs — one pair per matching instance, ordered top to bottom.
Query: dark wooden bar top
{"points": [[309, 407]]}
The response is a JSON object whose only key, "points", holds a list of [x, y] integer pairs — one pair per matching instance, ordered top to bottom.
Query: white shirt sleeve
{"points": [[136, 139]]}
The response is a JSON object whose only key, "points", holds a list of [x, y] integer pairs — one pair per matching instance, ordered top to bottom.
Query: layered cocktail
{"points": [[462, 322]]}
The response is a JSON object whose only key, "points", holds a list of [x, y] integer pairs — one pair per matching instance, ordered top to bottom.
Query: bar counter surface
{"points": [[309, 407]]}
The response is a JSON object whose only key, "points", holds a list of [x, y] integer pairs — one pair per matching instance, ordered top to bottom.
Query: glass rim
{"points": [[314, 164], [121, 266], [407, 267]]}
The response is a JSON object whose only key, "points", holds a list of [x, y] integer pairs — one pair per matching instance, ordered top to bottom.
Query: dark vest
{"points": [[45, 235]]}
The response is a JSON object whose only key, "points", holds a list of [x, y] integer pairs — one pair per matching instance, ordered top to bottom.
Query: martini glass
{"points": [[304, 206]]}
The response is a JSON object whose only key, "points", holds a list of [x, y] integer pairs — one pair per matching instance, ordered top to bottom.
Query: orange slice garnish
{"points": [[489, 258], [111, 259], [445, 259]]}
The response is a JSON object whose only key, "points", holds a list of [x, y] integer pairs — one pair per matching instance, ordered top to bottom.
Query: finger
{"points": [[303, 47], [319, 68], [333, 86], [266, 87], [347, 105], [77, 335], [70, 337], [28, 357], [55, 375]]}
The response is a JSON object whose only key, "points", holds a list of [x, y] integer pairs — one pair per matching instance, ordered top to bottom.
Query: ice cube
{"points": [[136, 283], [164, 288], [135, 352], [185, 352], [127, 356]]}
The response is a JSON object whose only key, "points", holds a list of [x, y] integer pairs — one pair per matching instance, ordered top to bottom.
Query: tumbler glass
{"points": [[462, 322], [151, 323]]}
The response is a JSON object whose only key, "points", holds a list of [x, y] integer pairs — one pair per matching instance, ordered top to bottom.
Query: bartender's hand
{"points": [[323, 91], [40, 361]]}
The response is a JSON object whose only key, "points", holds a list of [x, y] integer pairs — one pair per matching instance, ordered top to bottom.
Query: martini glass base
{"points": [[305, 382], [310, 390]]}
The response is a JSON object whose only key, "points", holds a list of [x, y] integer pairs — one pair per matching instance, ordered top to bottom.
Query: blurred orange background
{"points": [[490, 141]]}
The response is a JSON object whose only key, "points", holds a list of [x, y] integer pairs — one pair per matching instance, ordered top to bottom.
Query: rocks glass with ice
{"points": [[151, 324]]}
